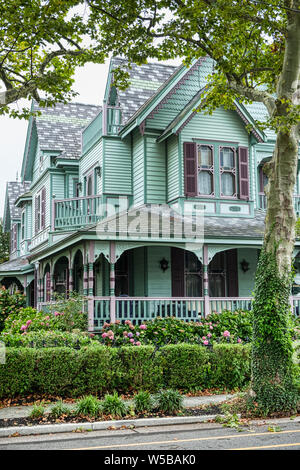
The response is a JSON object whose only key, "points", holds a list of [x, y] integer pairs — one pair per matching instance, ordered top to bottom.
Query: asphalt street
{"points": [[189, 438]]}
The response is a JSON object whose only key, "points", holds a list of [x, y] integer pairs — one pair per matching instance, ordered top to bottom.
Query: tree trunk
{"points": [[280, 218]]}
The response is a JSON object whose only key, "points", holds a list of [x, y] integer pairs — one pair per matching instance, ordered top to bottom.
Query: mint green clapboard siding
{"points": [[180, 98], [91, 133], [89, 160], [138, 163], [117, 166], [172, 167], [155, 171], [43, 183], [28, 221], [246, 280], [158, 282]]}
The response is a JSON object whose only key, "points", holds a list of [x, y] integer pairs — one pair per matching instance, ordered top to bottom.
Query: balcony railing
{"points": [[262, 202], [77, 212]]}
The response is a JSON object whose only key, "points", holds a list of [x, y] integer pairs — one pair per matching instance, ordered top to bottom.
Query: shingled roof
{"points": [[144, 80], [59, 128], [14, 189]]}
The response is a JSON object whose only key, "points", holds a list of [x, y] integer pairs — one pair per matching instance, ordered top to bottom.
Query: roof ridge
{"points": [[147, 63]]}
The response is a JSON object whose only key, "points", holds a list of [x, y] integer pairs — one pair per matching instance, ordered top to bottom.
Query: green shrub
{"points": [[9, 304], [69, 313], [49, 339], [185, 366], [230, 366], [98, 370], [169, 401], [143, 402], [88, 406], [114, 406], [59, 409], [37, 411]]}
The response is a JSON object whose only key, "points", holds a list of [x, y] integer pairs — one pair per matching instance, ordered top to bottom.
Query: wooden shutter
{"points": [[190, 168], [243, 173], [43, 208], [36, 214], [15, 236], [177, 267], [232, 273]]}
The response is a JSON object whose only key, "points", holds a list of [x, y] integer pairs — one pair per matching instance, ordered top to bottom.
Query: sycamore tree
{"points": [[41, 44], [255, 46]]}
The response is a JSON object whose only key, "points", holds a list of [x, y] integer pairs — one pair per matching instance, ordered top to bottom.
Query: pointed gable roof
{"points": [[144, 81], [57, 129], [14, 189]]}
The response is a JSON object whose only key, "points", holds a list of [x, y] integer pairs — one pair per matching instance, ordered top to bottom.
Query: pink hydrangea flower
{"points": [[28, 322], [23, 327], [143, 327], [226, 334], [104, 335], [209, 335], [204, 337], [131, 340], [239, 340], [205, 342], [138, 343]]}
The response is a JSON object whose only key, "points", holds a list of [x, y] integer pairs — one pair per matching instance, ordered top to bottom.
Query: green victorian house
{"points": [[143, 205]]}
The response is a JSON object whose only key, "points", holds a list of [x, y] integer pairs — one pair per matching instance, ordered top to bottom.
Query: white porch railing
{"points": [[141, 309]]}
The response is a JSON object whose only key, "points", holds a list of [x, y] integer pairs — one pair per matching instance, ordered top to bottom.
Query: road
{"points": [[184, 439]]}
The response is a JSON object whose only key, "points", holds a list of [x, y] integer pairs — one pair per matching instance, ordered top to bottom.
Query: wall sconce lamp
{"points": [[98, 170], [164, 264], [244, 266]]}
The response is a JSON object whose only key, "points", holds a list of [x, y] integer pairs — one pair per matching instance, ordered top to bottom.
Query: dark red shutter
{"points": [[190, 168], [243, 173], [43, 208], [36, 214], [15, 237], [177, 267], [232, 273]]}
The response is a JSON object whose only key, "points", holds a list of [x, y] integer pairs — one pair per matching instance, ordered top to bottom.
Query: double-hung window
{"points": [[205, 170], [228, 187]]}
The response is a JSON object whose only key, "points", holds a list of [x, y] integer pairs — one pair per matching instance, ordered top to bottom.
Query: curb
{"points": [[101, 425]]}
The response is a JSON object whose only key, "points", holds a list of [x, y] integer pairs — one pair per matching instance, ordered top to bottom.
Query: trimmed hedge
{"points": [[98, 369]]}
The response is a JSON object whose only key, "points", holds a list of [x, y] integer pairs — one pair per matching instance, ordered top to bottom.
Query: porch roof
{"points": [[18, 265]]}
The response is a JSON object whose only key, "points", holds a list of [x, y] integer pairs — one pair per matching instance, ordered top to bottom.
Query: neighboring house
{"points": [[144, 205]]}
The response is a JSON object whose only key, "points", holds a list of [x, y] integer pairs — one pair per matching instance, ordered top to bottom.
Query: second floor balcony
{"points": [[262, 202], [71, 214]]}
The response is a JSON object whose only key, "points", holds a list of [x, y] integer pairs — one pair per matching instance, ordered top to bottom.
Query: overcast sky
{"points": [[90, 82]]}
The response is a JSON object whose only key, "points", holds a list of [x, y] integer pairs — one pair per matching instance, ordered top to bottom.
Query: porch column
{"points": [[85, 279], [91, 279], [71, 280], [205, 281], [112, 282], [36, 284], [52, 287]]}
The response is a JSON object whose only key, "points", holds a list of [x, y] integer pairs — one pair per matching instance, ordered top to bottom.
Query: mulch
{"points": [[47, 419]]}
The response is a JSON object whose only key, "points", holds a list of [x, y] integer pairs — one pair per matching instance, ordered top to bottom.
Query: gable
{"points": [[223, 125]]}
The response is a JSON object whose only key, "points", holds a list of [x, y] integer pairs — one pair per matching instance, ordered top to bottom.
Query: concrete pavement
{"points": [[24, 411]]}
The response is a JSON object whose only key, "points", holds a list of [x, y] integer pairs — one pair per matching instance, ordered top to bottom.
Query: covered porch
{"points": [[139, 281]]}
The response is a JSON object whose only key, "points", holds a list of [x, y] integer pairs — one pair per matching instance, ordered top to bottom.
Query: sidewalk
{"points": [[24, 411]]}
